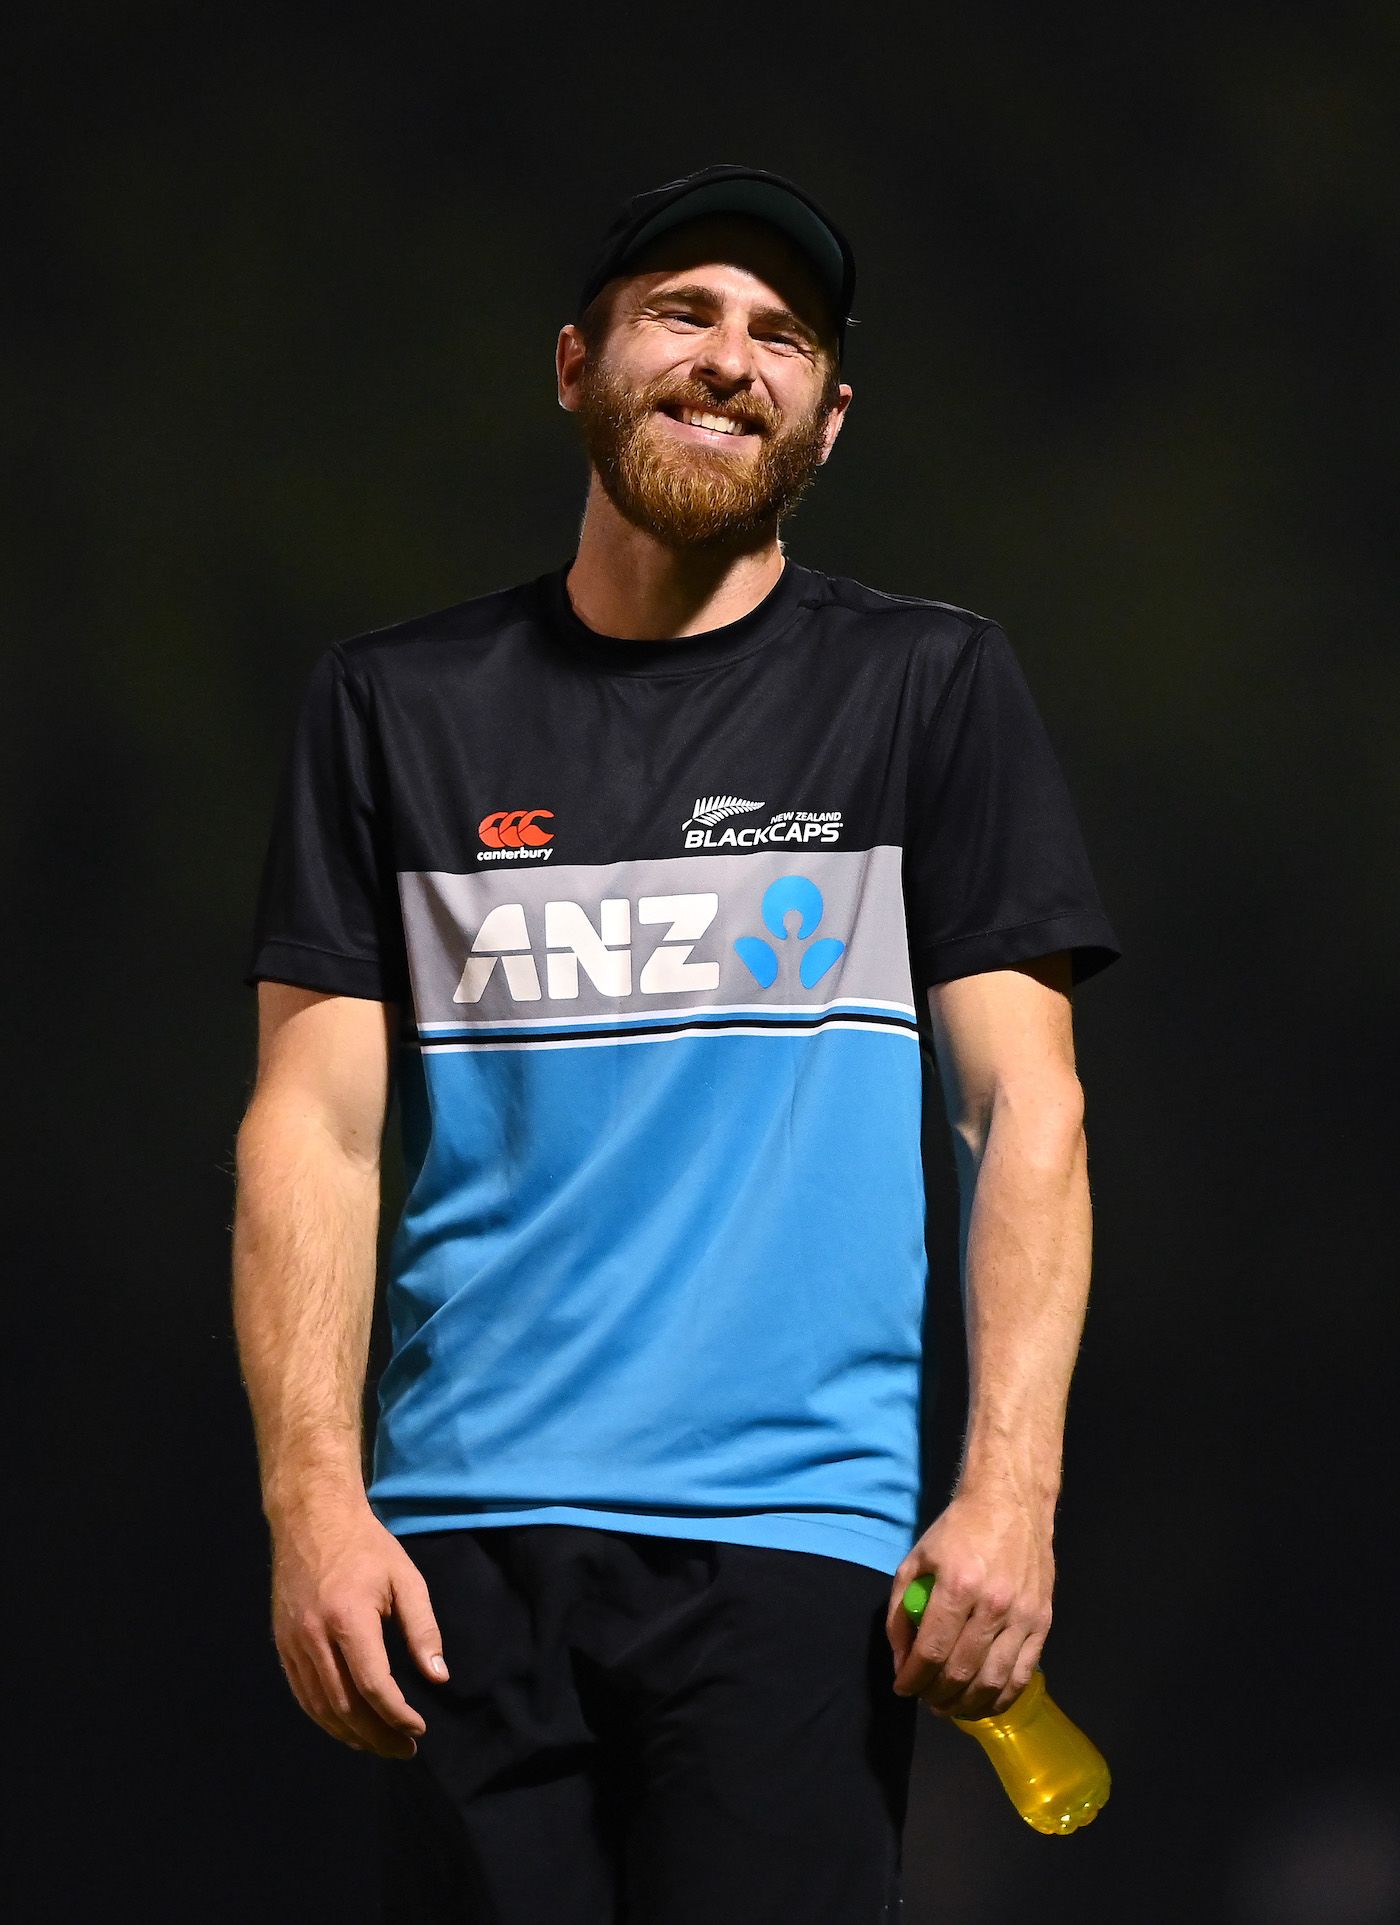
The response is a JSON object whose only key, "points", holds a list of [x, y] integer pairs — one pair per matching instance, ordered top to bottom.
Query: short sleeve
{"points": [[995, 867], [327, 914]]}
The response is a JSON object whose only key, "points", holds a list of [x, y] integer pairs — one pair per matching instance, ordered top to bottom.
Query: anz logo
{"points": [[780, 899], [574, 948]]}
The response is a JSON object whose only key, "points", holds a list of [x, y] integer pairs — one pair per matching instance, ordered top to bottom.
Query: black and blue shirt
{"points": [[659, 919]]}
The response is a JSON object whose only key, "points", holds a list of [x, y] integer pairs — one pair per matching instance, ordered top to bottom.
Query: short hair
{"points": [[593, 323]]}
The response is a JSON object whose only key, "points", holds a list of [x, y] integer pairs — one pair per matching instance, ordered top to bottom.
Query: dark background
{"points": [[280, 371]]}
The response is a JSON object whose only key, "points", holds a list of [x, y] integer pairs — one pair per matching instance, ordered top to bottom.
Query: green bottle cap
{"points": [[916, 1596]]}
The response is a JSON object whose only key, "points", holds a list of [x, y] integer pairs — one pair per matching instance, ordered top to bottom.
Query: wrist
{"points": [[1032, 1487], [294, 1495]]}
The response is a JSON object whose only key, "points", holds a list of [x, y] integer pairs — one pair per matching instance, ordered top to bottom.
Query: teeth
{"points": [[716, 422]]}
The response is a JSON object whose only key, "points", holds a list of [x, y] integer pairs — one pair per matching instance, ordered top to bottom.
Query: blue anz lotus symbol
{"points": [[780, 899]]}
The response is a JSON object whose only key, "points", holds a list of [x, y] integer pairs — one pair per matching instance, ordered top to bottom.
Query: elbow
{"points": [[1043, 1112], [283, 1127]]}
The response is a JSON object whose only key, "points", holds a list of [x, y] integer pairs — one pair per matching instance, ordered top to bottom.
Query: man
{"points": [[651, 883]]}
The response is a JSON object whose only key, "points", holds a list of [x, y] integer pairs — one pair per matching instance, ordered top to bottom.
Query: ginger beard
{"points": [[688, 495]]}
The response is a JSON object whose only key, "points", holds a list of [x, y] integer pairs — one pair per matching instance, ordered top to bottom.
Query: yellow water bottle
{"points": [[1055, 1777]]}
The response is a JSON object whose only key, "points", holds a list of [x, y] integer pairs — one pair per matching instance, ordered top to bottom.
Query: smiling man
{"points": [[765, 406], [653, 885]]}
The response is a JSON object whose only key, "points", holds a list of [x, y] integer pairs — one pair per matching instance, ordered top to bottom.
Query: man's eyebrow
{"points": [[701, 296], [783, 317]]}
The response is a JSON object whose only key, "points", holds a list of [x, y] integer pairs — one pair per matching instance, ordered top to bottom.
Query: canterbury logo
{"points": [[712, 809], [515, 829]]}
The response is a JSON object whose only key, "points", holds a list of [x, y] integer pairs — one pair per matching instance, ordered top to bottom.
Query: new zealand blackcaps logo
{"points": [[711, 810]]}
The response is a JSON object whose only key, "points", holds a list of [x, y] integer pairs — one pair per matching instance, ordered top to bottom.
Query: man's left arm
{"points": [[1005, 1048]]}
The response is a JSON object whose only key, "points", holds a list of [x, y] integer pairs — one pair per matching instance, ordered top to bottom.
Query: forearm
{"points": [[304, 1254], [1026, 1286]]}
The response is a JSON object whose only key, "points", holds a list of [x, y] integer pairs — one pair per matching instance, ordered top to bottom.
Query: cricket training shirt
{"points": [[659, 919]]}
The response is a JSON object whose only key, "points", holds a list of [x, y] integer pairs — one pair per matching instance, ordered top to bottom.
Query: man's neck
{"points": [[625, 582]]}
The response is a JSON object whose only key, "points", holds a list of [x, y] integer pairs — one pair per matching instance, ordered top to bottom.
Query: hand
{"points": [[336, 1574], [982, 1631]]}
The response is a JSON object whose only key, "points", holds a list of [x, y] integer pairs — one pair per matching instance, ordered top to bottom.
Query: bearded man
{"points": [[653, 886]]}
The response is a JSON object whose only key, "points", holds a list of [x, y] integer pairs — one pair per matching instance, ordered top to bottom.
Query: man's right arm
{"points": [[304, 1257]]}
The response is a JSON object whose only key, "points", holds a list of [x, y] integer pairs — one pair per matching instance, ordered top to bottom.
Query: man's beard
{"points": [[695, 497]]}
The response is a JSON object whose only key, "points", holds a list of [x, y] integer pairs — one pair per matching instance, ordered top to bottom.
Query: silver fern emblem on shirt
{"points": [[712, 809]]}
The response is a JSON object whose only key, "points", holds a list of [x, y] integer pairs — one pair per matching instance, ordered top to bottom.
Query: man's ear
{"points": [[570, 353], [834, 419]]}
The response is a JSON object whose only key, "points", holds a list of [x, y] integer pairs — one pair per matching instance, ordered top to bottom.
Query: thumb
{"points": [[414, 1610]]}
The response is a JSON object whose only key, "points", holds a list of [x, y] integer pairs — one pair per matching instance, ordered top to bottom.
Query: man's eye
{"points": [[679, 314]]}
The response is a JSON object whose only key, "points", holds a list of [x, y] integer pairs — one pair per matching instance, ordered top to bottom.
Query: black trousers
{"points": [[647, 1731]]}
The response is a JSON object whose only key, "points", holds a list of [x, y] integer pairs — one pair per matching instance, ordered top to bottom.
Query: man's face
{"points": [[711, 399]]}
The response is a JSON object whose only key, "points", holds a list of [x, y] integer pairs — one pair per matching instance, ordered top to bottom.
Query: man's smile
{"points": [[706, 424]]}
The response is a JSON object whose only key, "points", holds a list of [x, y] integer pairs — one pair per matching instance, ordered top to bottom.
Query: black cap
{"points": [[731, 190]]}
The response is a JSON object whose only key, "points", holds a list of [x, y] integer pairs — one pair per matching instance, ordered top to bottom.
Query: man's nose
{"points": [[726, 356]]}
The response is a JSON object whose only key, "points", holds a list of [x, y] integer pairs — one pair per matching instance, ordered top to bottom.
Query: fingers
{"points": [[338, 1576], [414, 1610], [946, 1613], [359, 1642], [974, 1651], [960, 1662], [1023, 1663], [988, 1668], [325, 1684], [310, 1694], [347, 1703], [388, 1740]]}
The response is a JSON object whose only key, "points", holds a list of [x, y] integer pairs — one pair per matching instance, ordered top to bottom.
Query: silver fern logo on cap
{"points": [[712, 809]]}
